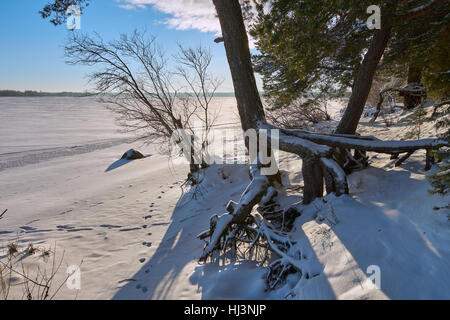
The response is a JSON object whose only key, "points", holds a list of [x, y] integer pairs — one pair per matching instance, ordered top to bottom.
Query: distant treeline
{"points": [[30, 93]]}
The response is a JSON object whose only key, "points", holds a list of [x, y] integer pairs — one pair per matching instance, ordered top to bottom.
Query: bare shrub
{"points": [[299, 114], [36, 283]]}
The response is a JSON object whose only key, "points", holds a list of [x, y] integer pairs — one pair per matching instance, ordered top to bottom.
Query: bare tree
{"points": [[135, 81], [201, 87], [301, 113]]}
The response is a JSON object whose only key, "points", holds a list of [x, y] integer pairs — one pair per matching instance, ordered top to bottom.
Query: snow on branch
{"points": [[298, 145], [388, 146], [335, 177]]}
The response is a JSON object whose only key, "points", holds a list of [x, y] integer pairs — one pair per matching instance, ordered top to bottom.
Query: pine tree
{"points": [[317, 46]]}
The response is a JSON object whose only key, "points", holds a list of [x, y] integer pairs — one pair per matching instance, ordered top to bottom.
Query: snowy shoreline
{"points": [[135, 229]]}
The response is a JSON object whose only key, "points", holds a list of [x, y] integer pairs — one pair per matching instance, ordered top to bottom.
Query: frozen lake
{"points": [[39, 123], [35, 129]]}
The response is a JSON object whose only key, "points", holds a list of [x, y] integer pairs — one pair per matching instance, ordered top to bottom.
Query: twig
{"points": [[24, 276]]}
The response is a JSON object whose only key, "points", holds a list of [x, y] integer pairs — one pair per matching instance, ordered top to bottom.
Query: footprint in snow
{"points": [[96, 204], [67, 211], [110, 226], [64, 227], [27, 228], [79, 229], [130, 229], [126, 280], [143, 288]]}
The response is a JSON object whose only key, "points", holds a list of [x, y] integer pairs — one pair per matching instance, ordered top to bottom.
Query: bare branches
{"points": [[418, 11], [135, 81], [201, 86], [139, 97], [299, 113], [3, 213], [36, 282]]}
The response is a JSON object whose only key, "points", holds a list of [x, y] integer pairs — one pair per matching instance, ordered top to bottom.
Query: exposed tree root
{"points": [[229, 223], [262, 234]]}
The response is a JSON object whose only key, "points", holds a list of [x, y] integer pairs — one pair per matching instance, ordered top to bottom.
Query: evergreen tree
{"points": [[317, 46]]}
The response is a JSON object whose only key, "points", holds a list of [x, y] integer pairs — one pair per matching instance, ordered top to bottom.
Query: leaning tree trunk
{"points": [[235, 39], [238, 54], [366, 72], [363, 82]]}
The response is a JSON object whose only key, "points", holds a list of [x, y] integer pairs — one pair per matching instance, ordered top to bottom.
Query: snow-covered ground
{"points": [[134, 228]]}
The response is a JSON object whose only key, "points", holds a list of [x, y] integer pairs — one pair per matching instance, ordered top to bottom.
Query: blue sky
{"points": [[31, 49]]}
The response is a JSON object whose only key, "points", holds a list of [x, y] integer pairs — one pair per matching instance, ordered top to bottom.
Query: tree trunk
{"points": [[235, 39], [238, 54], [363, 82], [312, 179]]}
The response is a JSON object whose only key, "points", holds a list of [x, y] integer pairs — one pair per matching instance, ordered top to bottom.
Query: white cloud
{"points": [[129, 6], [185, 14]]}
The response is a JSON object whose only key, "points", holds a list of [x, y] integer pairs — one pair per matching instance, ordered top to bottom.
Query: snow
{"points": [[135, 229]]}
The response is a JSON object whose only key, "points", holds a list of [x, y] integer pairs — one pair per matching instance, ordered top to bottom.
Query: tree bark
{"points": [[234, 35], [237, 49], [414, 78], [363, 82], [312, 179]]}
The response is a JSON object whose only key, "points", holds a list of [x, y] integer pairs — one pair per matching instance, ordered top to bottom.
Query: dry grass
{"points": [[36, 283]]}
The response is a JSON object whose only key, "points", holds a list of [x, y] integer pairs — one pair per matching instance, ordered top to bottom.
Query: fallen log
{"points": [[380, 146]]}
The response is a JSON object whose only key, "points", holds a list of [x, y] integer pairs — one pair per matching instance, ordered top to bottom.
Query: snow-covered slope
{"points": [[135, 228]]}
